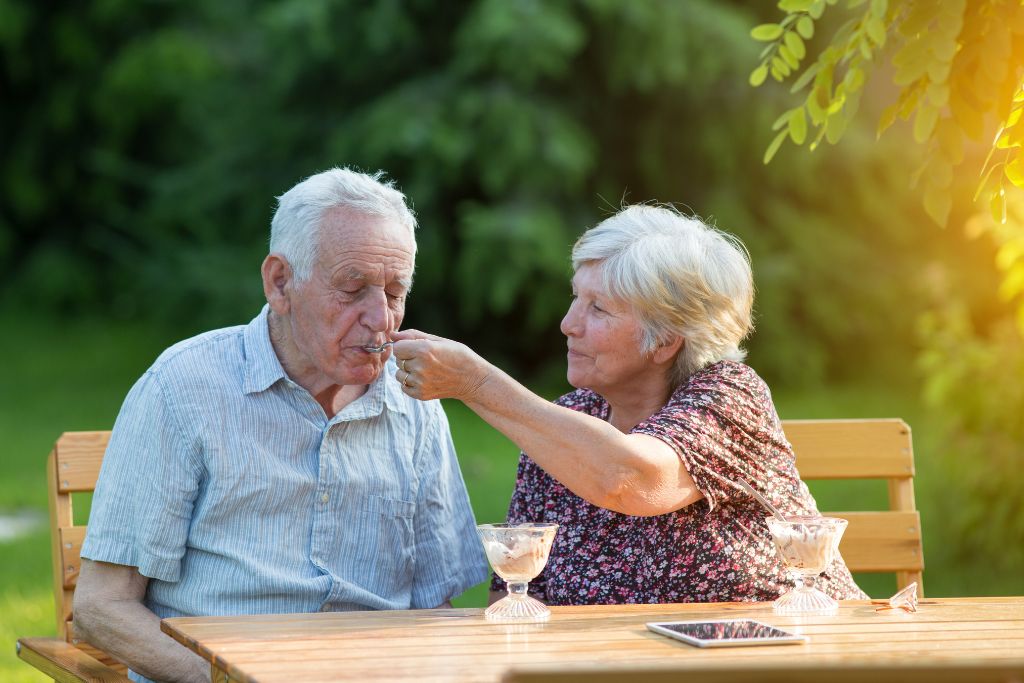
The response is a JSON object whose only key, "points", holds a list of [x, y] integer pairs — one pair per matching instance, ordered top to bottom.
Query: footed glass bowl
{"points": [[806, 546], [518, 553]]}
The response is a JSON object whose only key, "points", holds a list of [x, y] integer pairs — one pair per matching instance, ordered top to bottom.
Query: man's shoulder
{"points": [[202, 355]]}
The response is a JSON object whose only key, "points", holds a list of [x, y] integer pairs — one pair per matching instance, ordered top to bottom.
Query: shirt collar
{"points": [[262, 367], [394, 397]]}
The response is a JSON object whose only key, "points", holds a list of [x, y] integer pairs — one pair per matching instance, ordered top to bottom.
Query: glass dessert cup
{"points": [[806, 546], [518, 553]]}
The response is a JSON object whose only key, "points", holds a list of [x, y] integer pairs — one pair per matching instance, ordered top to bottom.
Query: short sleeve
{"points": [[718, 436], [527, 505], [142, 506], [449, 556]]}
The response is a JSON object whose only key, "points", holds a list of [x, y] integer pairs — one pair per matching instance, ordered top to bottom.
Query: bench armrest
{"points": [[64, 662]]}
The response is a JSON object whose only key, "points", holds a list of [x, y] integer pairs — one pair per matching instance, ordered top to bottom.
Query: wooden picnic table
{"points": [[948, 639]]}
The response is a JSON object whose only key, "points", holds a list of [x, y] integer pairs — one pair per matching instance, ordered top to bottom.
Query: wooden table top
{"points": [[946, 639]]}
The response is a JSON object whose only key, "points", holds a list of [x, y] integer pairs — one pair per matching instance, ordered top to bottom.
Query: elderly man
{"points": [[277, 466]]}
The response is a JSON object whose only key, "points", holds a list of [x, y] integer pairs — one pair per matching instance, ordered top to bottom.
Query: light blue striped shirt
{"points": [[226, 484]]}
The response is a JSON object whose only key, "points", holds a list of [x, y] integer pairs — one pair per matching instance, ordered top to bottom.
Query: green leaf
{"points": [[795, 5], [879, 7], [817, 9], [805, 27], [875, 28], [766, 32], [795, 44], [788, 57], [780, 64], [758, 75], [805, 78], [854, 79], [938, 94], [814, 108], [887, 118], [782, 120], [924, 122], [798, 126], [835, 126], [951, 140], [774, 146], [1014, 171], [937, 203]]}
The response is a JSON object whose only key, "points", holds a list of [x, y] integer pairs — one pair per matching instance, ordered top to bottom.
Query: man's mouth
{"points": [[376, 348]]}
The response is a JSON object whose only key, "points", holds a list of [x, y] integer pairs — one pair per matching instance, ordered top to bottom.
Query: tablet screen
{"points": [[726, 630]]}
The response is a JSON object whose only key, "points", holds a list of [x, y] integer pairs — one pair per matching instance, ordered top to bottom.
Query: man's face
{"points": [[355, 296]]}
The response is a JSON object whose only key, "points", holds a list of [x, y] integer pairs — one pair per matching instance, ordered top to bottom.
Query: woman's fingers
{"points": [[403, 335], [430, 365]]}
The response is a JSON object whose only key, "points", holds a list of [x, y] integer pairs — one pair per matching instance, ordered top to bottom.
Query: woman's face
{"points": [[603, 337]]}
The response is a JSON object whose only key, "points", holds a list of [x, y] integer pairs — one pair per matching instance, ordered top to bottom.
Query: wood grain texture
{"points": [[851, 449], [79, 455], [71, 539], [881, 541], [984, 635], [66, 663]]}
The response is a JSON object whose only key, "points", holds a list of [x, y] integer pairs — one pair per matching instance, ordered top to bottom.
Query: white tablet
{"points": [[725, 633]]}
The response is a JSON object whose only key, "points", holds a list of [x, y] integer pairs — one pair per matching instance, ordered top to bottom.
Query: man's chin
{"points": [[362, 374]]}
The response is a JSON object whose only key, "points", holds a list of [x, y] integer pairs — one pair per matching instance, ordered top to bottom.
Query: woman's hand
{"points": [[434, 367]]}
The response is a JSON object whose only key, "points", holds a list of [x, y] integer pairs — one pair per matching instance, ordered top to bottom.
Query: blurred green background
{"points": [[143, 145]]}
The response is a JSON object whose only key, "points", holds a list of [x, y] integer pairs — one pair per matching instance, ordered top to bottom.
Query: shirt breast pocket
{"points": [[383, 546]]}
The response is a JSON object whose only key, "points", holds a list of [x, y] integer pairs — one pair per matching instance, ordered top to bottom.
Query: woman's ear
{"points": [[277, 283], [666, 349]]}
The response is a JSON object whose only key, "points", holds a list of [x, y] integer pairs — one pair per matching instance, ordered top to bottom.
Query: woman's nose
{"points": [[570, 323]]}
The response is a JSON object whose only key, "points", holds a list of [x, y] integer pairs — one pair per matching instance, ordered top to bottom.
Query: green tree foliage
{"points": [[957, 66], [143, 144]]}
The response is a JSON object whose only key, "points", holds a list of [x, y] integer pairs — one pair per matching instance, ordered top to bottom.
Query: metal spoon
{"points": [[370, 348], [762, 500]]}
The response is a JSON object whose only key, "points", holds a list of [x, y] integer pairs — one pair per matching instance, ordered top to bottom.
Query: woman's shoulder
{"points": [[726, 377], [726, 388]]}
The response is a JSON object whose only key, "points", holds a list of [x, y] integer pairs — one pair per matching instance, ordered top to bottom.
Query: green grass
{"points": [[74, 375]]}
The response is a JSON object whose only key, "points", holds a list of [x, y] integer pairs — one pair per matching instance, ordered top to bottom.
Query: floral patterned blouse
{"points": [[723, 424]]}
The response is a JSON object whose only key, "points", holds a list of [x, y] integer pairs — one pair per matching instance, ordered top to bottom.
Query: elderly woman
{"points": [[639, 464]]}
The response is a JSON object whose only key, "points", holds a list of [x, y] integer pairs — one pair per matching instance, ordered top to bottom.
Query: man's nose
{"points": [[377, 315]]}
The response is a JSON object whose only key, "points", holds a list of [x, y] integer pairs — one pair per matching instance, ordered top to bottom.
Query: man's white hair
{"points": [[295, 229], [681, 277]]}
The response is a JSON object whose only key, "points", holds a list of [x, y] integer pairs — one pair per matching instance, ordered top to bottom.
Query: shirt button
{"points": [[324, 498]]}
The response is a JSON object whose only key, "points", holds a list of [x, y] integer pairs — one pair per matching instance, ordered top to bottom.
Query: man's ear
{"points": [[277, 283], [666, 349]]}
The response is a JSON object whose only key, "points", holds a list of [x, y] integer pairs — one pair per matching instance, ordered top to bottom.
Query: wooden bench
{"points": [[73, 467], [882, 541]]}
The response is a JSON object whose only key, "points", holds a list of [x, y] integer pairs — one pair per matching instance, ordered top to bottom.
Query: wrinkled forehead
{"points": [[365, 246], [374, 274], [591, 276]]}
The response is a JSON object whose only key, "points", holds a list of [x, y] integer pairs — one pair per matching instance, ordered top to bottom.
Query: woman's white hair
{"points": [[295, 229], [681, 277]]}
